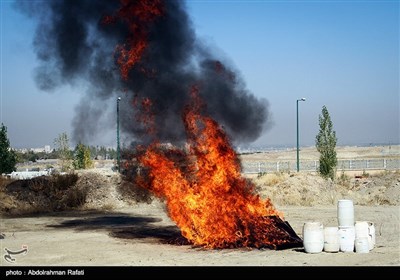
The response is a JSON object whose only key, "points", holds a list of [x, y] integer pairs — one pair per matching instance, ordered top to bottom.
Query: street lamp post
{"points": [[297, 118], [118, 148]]}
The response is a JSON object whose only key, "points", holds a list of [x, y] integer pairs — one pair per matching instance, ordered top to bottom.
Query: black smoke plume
{"points": [[74, 46]]}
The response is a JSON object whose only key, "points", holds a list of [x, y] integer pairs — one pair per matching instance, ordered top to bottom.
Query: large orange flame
{"points": [[202, 186], [205, 194]]}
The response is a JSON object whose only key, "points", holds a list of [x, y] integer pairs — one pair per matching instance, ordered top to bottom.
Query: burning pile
{"points": [[166, 74], [205, 194]]}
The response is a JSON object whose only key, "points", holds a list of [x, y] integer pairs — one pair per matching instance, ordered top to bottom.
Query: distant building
{"points": [[46, 149]]}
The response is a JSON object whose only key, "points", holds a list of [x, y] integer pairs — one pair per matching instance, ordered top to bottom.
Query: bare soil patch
{"points": [[119, 225]]}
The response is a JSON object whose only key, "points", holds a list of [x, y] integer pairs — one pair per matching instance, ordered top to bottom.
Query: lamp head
{"points": [[119, 98]]}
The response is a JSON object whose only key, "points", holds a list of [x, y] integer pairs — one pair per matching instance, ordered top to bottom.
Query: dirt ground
{"points": [[112, 231], [141, 236]]}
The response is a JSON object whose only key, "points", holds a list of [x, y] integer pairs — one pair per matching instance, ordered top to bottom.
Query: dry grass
{"points": [[298, 189], [309, 189], [91, 190], [132, 192], [41, 194], [6, 201]]}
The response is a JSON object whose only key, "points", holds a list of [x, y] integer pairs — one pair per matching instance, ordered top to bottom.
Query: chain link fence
{"points": [[256, 167]]}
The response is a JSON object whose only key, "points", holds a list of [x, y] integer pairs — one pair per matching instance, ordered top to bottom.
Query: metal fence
{"points": [[256, 167]]}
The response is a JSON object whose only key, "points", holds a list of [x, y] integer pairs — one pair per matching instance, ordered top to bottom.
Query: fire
{"points": [[137, 15], [144, 115], [202, 186], [205, 194]]}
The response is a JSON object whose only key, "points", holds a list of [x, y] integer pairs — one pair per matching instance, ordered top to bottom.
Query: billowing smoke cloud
{"points": [[75, 46]]}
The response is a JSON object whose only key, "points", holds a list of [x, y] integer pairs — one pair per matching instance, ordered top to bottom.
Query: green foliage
{"points": [[326, 145], [101, 152], [64, 153], [31, 156], [34, 156], [8, 157], [82, 158], [261, 174], [365, 174], [344, 180]]}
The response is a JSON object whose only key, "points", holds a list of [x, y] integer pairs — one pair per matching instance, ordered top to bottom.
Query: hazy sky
{"points": [[341, 54]]}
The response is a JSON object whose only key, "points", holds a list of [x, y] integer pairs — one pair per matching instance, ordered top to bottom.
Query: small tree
{"points": [[326, 145], [64, 153], [8, 157], [82, 158]]}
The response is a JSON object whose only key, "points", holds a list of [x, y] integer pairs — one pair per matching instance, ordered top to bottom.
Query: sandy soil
{"points": [[111, 231], [141, 236]]}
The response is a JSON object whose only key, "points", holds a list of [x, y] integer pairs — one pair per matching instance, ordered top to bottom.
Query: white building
{"points": [[46, 149]]}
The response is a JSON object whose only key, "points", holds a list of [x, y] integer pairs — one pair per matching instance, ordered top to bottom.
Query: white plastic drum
{"points": [[345, 212], [362, 229], [367, 230], [371, 235], [313, 237], [347, 238], [331, 239], [362, 245]]}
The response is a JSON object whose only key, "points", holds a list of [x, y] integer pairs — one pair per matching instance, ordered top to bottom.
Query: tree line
{"points": [[82, 156]]}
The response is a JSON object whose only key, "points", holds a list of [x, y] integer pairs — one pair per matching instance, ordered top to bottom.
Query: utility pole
{"points": [[297, 118], [118, 148]]}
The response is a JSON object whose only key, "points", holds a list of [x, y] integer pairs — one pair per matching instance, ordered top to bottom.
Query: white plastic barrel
{"points": [[345, 213], [362, 229], [366, 229], [371, 235], [313, 237], [347, 238], [331, 239], [362, 245]]}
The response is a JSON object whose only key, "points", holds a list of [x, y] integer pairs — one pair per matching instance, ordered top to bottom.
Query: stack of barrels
{"points": [[348, 236]]}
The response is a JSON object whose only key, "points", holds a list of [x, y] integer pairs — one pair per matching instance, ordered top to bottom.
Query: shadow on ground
{"points": [[127, 227]]}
